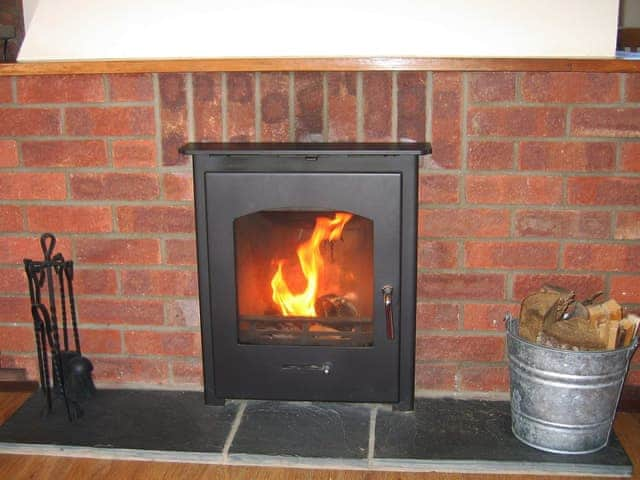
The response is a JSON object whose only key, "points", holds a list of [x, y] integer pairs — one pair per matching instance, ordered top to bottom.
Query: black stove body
{"points": [[307, 270]]}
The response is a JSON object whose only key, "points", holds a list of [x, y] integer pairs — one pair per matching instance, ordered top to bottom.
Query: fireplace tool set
{"points": [[64, 372]]}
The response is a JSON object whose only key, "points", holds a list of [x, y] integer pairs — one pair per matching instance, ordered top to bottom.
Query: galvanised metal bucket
{"points": [[563, 401]]}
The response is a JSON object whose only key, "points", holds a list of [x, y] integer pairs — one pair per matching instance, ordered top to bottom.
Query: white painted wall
{"points": [[28, 9], [145, 29]]}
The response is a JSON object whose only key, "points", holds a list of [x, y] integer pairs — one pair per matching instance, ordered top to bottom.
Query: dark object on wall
{"points": [[11, 29], [7, 33], [628, 38], [336, 223], [70, 378]]}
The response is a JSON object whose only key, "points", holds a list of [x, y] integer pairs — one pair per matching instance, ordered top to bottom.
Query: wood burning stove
{"points": [[307, 270]]}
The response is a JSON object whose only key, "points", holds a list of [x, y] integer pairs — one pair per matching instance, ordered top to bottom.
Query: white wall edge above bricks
{"points": [[166, 29]]}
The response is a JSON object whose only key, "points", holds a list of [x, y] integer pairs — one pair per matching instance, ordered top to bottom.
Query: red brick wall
{"points": [[534, 177]]}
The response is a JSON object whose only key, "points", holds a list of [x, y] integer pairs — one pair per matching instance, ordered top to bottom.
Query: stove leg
{"points": [[210, 398], [403, 406]]}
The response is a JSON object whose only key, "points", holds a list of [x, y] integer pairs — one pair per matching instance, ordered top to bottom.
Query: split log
{"points": [[542, 309], [604, 318], [628, 329], [576, 332]]}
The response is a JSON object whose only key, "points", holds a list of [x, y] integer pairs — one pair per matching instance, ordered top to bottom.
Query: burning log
{"points": [[332, 305]]}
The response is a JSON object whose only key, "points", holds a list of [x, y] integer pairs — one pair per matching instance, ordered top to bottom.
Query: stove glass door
{"points": [[304, 278]]}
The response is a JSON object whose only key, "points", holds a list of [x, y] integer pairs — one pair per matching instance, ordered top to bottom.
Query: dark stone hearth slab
{"points": [[133, 419], [313, 430], [477, 431], [443, 435]]}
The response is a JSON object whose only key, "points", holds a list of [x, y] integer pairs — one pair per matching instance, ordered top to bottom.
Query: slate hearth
{"points": [[440, 435]]}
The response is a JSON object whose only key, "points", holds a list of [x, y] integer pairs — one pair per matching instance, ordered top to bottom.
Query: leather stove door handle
{"points": [[387, 298]]}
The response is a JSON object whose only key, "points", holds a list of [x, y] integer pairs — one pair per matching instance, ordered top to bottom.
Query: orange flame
{"points": [[310, 258]]}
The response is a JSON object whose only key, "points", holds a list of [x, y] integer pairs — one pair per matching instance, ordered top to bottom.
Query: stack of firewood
{"points": [[553, 317]]}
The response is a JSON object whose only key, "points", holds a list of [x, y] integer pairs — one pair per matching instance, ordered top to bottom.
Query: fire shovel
{"points": [[75, 367]]}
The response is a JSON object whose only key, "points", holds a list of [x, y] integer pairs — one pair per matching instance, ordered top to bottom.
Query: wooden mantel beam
{"points": [[321, 64]]}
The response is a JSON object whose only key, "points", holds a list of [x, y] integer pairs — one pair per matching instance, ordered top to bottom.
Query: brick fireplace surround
{"points": [[534, 177]]}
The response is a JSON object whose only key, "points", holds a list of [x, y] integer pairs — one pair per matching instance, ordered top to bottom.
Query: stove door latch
{"points": [[387, 292]]}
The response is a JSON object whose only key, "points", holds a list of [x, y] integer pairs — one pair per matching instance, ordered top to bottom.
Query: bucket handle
{"points": [[509, 321], [632, 347]]}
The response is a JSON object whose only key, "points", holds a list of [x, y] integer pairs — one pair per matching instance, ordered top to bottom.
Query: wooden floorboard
{"points": [[9, 403], [41, 467]]}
